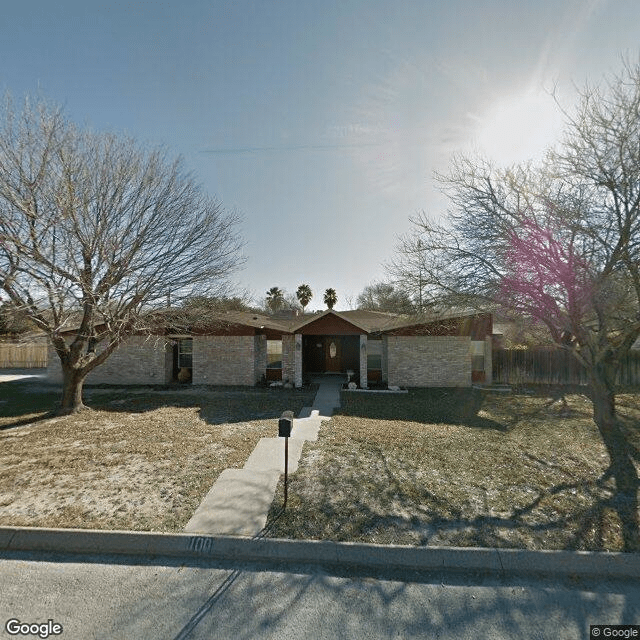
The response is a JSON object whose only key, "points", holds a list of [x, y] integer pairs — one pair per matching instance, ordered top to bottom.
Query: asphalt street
{"points": [[113, 597]]}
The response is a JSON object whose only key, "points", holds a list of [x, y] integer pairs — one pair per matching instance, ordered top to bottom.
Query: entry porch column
{"points": [[297, 361], [363, 361]]}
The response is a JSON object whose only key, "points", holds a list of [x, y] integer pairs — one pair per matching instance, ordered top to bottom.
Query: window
{"points": [[185, 353], [274, 354], [374, 355], [477, 355]]}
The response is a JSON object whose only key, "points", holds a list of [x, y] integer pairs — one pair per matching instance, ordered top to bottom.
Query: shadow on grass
{"points": [[27, 401], [32, 402], [458, 406], [592, 524]]}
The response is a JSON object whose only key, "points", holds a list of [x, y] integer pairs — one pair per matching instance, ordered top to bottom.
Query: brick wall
{"points": [[289, 358], [385, 358], [138, 360], [224, 360], [429, 361]]}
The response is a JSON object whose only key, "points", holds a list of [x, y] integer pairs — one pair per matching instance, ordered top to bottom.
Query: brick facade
{"points": [[289, 358], [385, 358], [408, 358], [138, 360], [224, 360], [429, 361], [297, 380]]}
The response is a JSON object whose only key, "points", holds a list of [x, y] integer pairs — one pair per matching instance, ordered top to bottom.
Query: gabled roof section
{"points": [[328, 315], [364, 321]]}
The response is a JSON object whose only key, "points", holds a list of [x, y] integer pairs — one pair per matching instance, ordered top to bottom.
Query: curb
{"points": [[315, 552]]}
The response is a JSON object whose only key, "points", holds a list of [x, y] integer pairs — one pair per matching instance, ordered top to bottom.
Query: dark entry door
{"points": [[332, 354]]}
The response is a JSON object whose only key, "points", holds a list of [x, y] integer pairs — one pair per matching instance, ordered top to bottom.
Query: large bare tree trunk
{"points": [[72, 382], [622, 466]]}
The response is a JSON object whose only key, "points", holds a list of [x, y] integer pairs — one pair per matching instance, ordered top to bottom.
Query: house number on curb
{"points": [[199, 543]]}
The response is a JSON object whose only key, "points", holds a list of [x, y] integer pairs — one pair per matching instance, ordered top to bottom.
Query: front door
{"points": [[332, 355]]}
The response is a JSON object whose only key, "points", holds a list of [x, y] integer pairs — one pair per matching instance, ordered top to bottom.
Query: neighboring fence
{"points": [[22, 356], [550, 366]]}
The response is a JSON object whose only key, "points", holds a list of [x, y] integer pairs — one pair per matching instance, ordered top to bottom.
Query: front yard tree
{"points": [[96, 231], [559, 244], [304, 295], [330, 298]]}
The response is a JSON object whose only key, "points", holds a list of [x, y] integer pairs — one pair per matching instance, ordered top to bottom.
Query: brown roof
{"points": [[364, 320]]}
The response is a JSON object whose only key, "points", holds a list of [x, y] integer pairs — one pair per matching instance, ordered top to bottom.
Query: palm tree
{"points": [[304, 295], [275, 298], [330, 298]]}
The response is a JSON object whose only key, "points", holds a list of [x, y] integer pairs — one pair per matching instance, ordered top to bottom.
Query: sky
{"points": [[321, 122]]}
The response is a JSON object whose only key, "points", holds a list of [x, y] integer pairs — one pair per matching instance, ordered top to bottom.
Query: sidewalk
{"points": [[8, 375], [239, 501]]}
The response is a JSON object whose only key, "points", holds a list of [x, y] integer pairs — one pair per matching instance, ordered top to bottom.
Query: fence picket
{"points": [[22, 356], [537, 366]]}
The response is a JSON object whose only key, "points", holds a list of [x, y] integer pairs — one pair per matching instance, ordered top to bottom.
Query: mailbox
{"points": [[284, 424]]}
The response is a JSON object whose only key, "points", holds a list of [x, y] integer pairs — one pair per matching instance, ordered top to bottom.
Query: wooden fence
{"points": [[23, 356], [549, 366]]}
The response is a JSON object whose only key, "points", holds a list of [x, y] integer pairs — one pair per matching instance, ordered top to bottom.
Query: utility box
{"points": [[285, 424]]}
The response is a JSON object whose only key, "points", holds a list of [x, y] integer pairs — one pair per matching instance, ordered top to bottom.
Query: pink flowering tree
{"points": [[545, 279]]}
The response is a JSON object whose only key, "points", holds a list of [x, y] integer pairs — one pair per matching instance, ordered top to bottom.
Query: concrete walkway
{"points": [[9, 375], [239, 501]]}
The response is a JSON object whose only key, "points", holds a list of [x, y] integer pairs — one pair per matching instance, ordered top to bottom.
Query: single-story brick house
{"points": [[244, 348]]}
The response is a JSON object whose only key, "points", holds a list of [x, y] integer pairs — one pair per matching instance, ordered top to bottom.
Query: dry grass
{"points": [[140, 459], [461, 468]]}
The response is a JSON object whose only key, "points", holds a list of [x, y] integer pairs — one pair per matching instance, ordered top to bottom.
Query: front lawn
{"points": [[141, 458], [460, 468]]}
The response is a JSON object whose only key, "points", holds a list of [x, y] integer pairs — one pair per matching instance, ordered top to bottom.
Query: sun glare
{"points": [[519, 127]]}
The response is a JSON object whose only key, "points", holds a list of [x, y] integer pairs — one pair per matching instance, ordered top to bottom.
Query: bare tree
{"points": [[96, 231], [559, 244], [384, 296], [291, 302], [218, 304]]}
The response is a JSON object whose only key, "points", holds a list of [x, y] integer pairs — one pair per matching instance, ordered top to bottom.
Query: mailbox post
{"points": [[284, 431]]}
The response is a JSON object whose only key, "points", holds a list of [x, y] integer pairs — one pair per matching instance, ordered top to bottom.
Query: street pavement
{"points": [[138, 598]]}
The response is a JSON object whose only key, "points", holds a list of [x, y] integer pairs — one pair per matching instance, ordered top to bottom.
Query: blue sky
{"points": [[321, 122]]}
